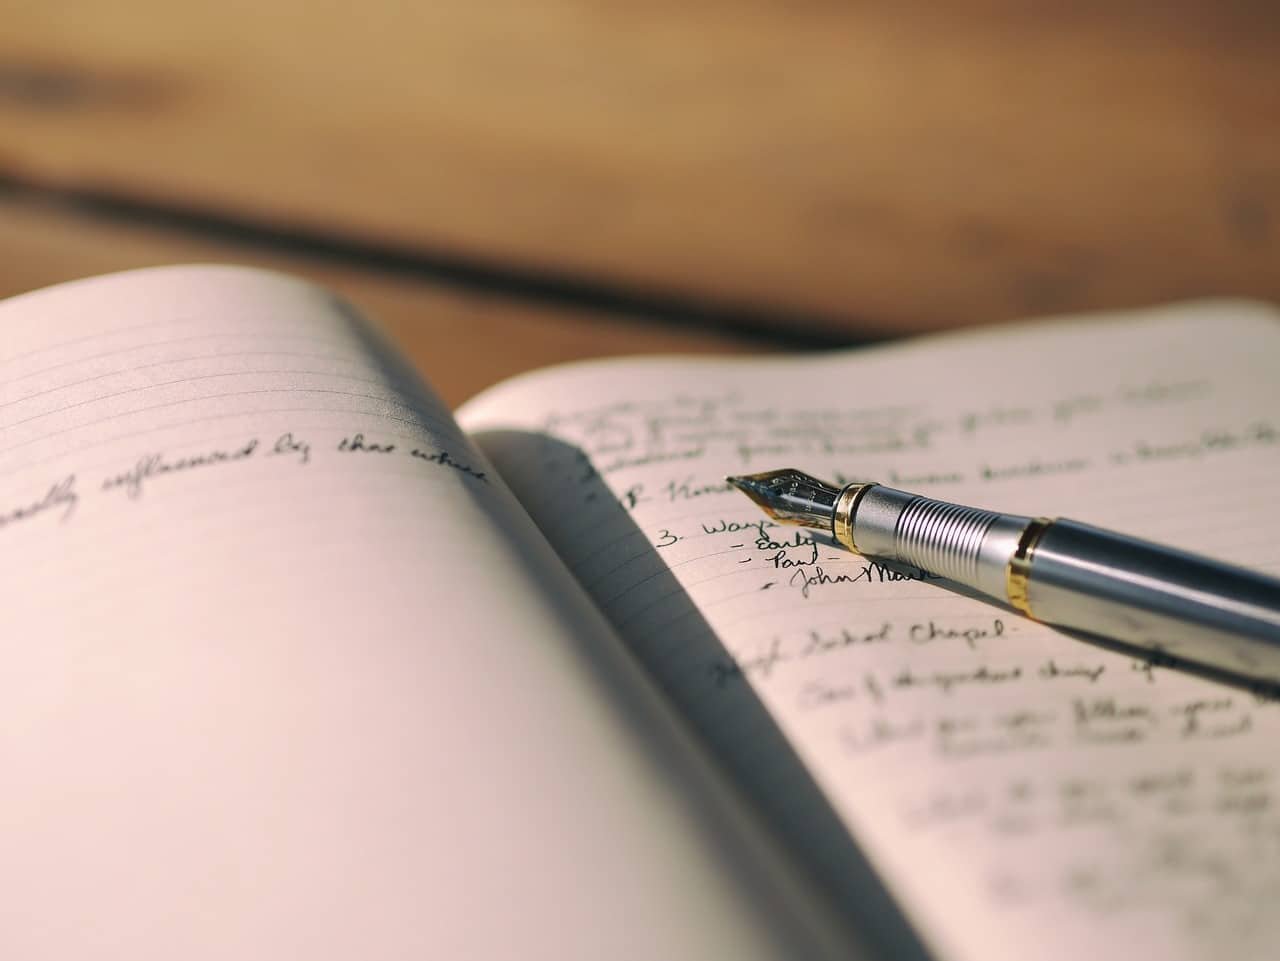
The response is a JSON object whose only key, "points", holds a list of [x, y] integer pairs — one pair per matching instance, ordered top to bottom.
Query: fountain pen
{"points": [[1159, 599]]}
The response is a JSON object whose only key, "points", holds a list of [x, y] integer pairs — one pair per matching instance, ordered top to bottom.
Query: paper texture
{"points": [[287, 674], [1021, 793]]}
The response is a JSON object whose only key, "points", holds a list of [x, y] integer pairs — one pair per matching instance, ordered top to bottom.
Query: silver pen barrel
{"points": [[1078, 577]]}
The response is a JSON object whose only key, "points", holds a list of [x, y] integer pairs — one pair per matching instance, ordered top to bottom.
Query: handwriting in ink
{"points": [[1160, 392], [1067, 409], [974, 421], [1214, 441], [357, 443], [287, 444], [749, 454], [442, 458], [155, 465], [1033, 468], [921, 479], [687, 490], [61, 494], [633, 496], [730, 527], [798, 539], [782, 560], [871, 572], [806, 581], [933, 631], [818, 643], [733, 667], [1051, 670], [947, 681], [820, 693], [1109, 709], [959, 715], [1212, 717], [1106, 720], [1017, 730], [880, 732]]}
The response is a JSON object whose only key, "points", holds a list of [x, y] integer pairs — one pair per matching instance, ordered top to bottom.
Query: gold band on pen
{"points": [[846, 506], [1019, 567]]}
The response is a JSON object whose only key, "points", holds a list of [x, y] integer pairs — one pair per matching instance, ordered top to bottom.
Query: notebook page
{"points": [[287, 674], [1021, 794]]}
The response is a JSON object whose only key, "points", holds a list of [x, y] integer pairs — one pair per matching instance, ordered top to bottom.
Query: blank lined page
{"points": [[285, 672], [1022, 794]]}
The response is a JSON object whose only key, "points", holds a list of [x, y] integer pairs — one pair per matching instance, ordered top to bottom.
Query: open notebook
{"points": [[298, 664]]}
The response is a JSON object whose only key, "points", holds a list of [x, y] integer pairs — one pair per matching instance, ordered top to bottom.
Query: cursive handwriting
{"points": [[287, 444], [357, 444], [443, 458], [153, 466], [61, 494], [871, 572]]}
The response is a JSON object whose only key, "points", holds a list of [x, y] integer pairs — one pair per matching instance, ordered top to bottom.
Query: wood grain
{"points": [[879, 166], [460, 341]]}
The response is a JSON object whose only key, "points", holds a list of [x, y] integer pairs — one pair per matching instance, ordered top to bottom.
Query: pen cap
{"points": [[1155, 597]]}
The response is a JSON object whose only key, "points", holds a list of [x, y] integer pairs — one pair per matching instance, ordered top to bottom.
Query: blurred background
{"points": [[511, 183]]}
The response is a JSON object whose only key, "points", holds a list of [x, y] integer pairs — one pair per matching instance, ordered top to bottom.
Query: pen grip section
{"points": [[943, 538], [947, 539], [1156, 597]]}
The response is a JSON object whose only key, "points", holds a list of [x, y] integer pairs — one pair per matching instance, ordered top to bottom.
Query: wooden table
{"points": [[509, 184]]}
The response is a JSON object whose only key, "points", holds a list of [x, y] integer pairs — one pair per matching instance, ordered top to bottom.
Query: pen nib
{"points": [[790, 496]]}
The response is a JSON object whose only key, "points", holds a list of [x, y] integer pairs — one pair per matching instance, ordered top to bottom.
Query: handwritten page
{"points": [[286, 673], [1021, 794]]}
